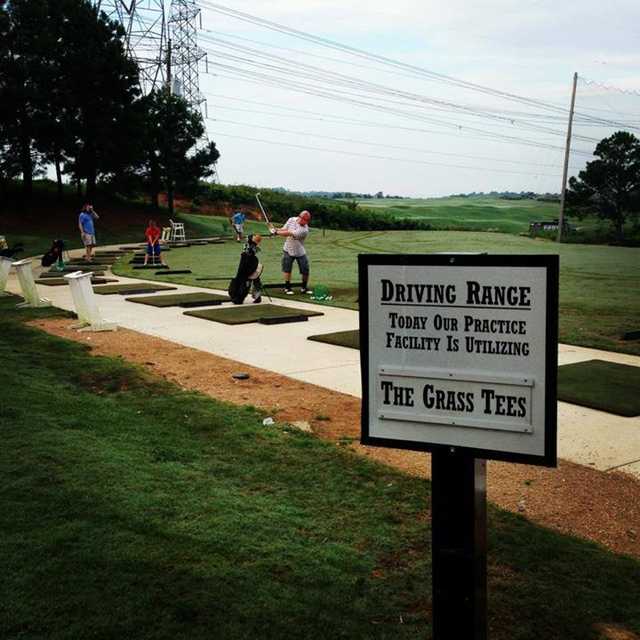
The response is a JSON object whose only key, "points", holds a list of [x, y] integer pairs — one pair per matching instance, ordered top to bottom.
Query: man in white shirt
{"points": [[295, 230]]}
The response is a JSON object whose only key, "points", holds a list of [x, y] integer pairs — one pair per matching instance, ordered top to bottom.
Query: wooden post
{"points": [[567, 152], [459, 546]]}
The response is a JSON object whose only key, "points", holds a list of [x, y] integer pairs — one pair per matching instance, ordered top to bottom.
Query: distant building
{"points": [[549, 225]]}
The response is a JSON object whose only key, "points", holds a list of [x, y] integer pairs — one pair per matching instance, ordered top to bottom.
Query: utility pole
{"points": [[567, 152]]}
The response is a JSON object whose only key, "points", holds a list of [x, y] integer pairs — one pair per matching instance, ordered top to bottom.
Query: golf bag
{"points": [[9, 252], [54, 254], [249, 270]]}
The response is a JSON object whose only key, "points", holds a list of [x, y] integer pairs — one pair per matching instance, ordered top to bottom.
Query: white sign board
{"points": [[460, 351]]}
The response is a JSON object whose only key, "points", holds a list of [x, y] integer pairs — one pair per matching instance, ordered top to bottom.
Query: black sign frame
{"points": [[551, 264]]}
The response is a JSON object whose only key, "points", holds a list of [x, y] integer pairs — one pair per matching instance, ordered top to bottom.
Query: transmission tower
{"points": [[145, 25], [164, 48], [186, 55]]}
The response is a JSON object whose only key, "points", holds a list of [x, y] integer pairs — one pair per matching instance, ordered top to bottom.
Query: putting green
{"points": [[142, 287], [179, 299], [243, 314], [350, 339], [597, 384]]}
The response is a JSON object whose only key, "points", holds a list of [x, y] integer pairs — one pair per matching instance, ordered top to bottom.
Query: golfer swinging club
{"points": [[296, 231]]}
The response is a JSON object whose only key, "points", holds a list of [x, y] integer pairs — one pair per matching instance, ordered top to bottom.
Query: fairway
{"points": [[482, 213], [599, 285]]}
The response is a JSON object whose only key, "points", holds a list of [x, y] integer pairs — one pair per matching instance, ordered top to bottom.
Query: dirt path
{"points": [[572, 499]]}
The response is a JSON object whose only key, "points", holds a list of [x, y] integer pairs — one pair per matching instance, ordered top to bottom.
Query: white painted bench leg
{"points": [[5, 267], [28, 285], [85, 302]]}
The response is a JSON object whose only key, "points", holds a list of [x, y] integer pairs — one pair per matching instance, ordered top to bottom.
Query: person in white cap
{"points": [[295, 230]]}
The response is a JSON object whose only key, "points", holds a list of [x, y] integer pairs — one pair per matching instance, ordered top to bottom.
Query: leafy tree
{"points": [[23, 45], [68, 91], [101, 94], [172, 132], [9, 164], [196, 167], [610, 185]]}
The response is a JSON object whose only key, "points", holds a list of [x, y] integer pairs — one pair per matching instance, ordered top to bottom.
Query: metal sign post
{"points": [[459, 358], [459, 545]]}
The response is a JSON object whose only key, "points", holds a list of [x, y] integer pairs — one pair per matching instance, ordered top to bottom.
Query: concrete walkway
{"points": [[594, 438]]}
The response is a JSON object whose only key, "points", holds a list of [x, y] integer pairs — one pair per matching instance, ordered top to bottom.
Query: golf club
{"points": [[264, 213]]}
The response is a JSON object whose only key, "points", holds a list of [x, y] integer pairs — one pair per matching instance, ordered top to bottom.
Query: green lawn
{"points": [[480, 213], [488, 213], [599, 285], [132, 509]]}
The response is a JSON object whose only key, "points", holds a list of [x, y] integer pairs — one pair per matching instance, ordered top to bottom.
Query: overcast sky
{"points": [[306, 142]]}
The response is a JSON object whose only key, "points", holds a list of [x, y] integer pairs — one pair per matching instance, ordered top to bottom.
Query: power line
{"points": [[298, 51], [432, 75], [299, 87], [609, 87], [375, 88], [523, 115], [324, 117], [375, 144], [379, 157]]}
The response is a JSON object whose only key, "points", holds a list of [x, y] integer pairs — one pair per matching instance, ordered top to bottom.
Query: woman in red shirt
{"points": [[153, 233]]}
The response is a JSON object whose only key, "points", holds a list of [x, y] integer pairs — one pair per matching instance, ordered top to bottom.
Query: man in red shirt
{"points": [[153, 233]]}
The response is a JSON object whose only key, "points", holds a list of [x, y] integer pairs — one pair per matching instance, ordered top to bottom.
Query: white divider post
{"points": [[5, 267], [28, 285], [86, 305]]}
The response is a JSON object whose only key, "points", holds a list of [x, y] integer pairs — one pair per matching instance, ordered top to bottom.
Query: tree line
{"points": [[70, 98], [329, 214]]}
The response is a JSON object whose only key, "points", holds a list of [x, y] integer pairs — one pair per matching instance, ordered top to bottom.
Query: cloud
{"points": [[531, 49]]}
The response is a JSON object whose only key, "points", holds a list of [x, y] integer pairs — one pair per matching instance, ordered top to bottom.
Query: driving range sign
{"points": [[460, 351]]}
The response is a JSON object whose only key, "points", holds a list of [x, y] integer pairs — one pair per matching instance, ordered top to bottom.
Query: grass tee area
{"points": [[599, 285], [131, 508]]}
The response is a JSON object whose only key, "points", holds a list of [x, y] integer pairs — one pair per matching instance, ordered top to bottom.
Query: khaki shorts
{"points": [[88, 239]]}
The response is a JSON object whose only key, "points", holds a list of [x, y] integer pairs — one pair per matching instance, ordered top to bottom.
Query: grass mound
{"points": [[243, 314], [350, 339], [607, 386]]}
